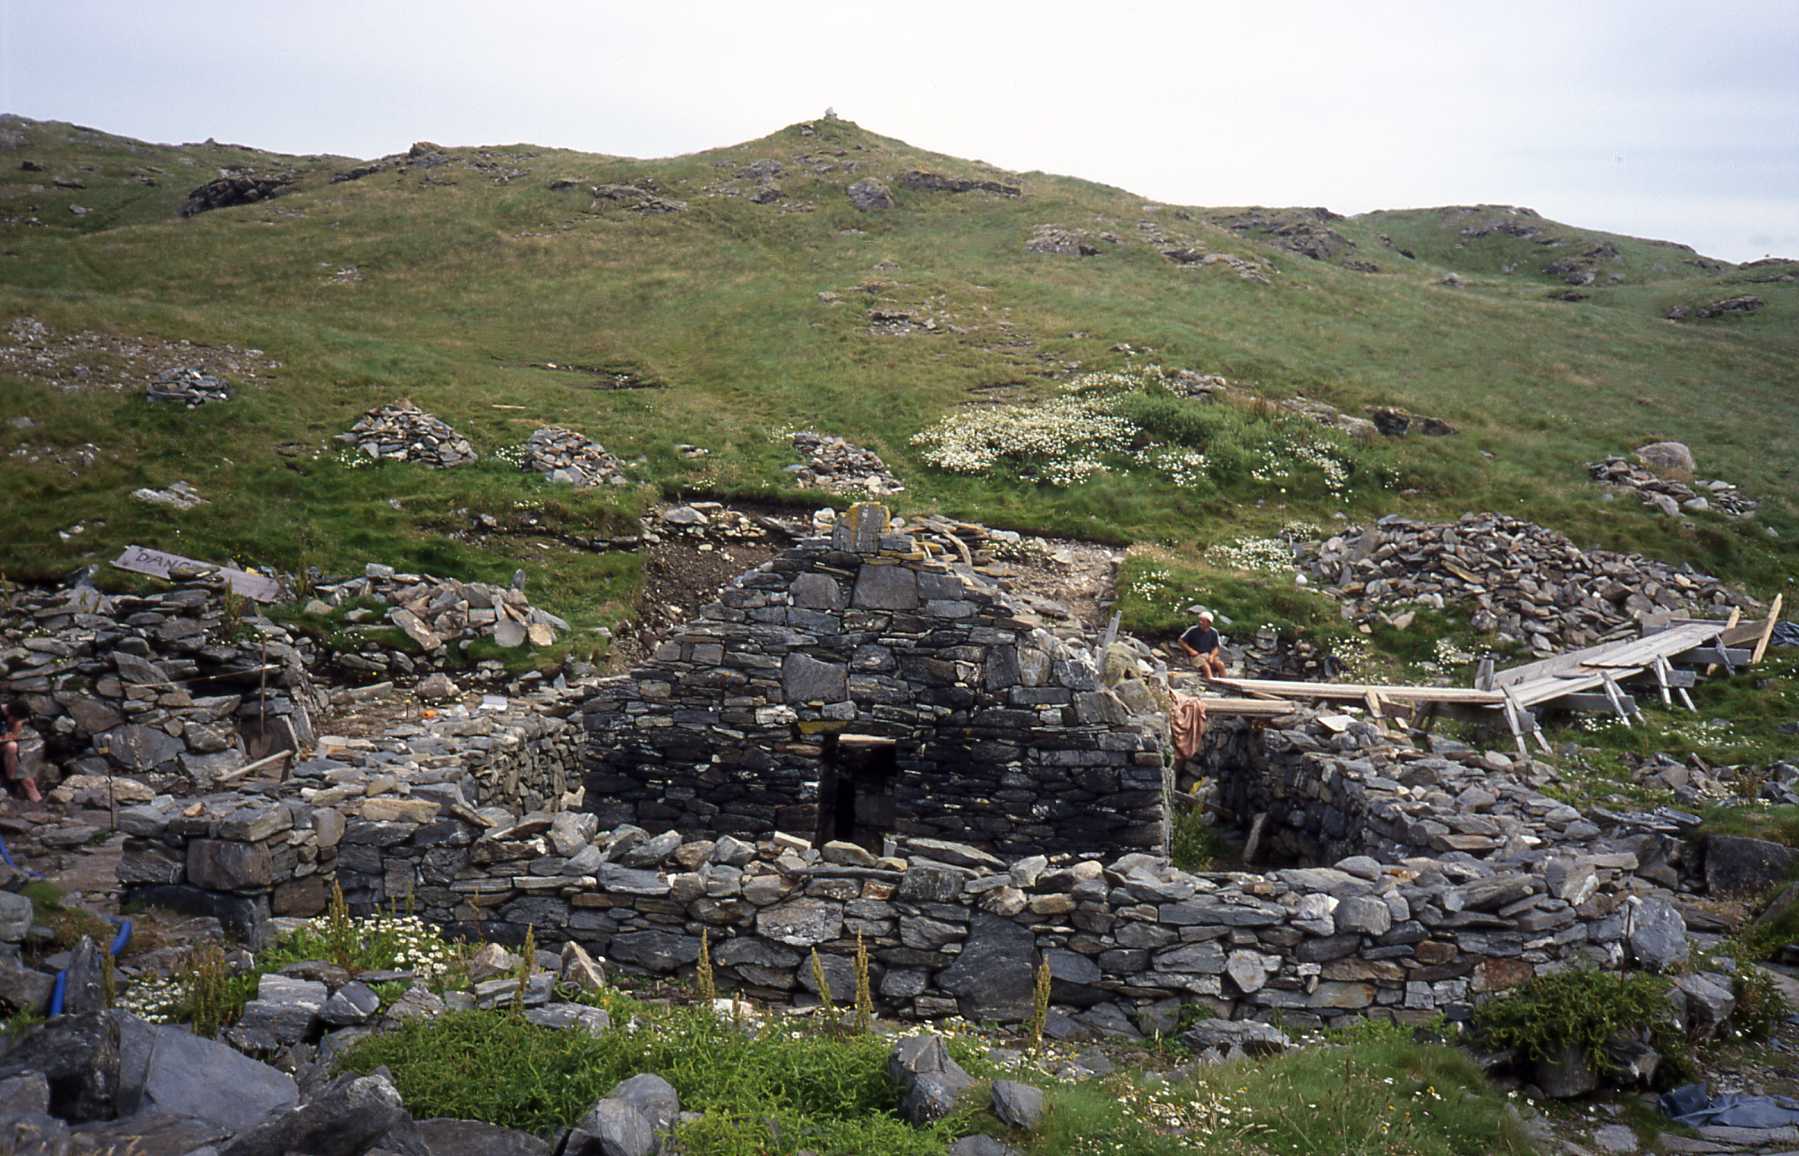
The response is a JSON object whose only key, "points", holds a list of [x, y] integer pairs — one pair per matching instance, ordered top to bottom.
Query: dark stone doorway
{"points": [[855, 790]]}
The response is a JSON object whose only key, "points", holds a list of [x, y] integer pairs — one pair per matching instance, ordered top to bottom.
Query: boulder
{"points": [[870, 195], [1667, 457], [1734, 864], [15, 919], [1657, 934], [580, 970], [994, 977], [24, 989], [1709, 1002], [351, 1005], [566, 1016], [1228, 1039], [79, 1057], [186, 1074], [1565, 1075], [928, 1080], [25, 1095], [654, 1097], [1017, 1105], [346, 1118], [611, 1128], [472, 1138], [982, 1146]]}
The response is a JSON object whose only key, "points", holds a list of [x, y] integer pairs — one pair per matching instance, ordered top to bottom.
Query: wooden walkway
{"points": [[1664, 659]]}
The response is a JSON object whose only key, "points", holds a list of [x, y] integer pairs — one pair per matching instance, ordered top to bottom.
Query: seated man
{"points": [[1204, 647], [12, 732]]}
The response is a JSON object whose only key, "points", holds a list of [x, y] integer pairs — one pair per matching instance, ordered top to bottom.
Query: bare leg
{"points": [[29, 786]]}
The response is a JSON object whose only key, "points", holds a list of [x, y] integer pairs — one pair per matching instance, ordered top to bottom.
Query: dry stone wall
{"points": [[1001, 734], [952, 929]]}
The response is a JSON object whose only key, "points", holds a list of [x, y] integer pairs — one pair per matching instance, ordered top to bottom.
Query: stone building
{"points": [[862, 686]]}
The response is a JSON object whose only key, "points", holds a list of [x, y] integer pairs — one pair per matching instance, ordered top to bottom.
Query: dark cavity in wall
{"points": [[856, 790]]}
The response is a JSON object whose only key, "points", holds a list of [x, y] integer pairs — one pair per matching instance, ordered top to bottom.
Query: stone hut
{"points": [[862, 686]]}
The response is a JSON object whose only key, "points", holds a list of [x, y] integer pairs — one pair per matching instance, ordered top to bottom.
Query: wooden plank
{"points": [[1736, 616], [1767, 634], [1730, 656], [1356, 692], [1590, 702], [1248, 707]]}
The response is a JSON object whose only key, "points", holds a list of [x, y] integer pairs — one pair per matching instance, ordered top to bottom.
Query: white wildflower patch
{"points": [[1059, 441], [1269, 555], [155, 999]]}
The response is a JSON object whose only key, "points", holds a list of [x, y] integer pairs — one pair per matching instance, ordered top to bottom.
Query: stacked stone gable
{"points": [[1001, 735]]}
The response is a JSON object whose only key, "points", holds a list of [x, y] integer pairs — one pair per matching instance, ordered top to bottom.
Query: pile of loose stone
{"points": [[1065, 242], [191, 386], [405, 433], [571, 459], [841, 467], [1673, 497], [704, 521], [1527, 583], [436, 612], [163, 687]]}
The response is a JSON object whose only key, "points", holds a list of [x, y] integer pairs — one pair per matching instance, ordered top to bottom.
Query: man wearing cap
{"points": [[1204, 647]]}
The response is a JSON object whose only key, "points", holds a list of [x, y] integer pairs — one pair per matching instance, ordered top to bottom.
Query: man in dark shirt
{"points": [[1204, 647]]}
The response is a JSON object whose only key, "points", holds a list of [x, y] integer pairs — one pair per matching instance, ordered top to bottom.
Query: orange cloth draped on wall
{"points": [[1187, 725]]}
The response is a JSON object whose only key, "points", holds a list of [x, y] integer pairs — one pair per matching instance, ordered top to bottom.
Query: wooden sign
{"points": [[160, 564]]}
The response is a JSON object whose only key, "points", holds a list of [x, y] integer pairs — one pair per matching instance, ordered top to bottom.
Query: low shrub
{"points": [[1193, 844], [1761, 1007], [1549, 1014]]}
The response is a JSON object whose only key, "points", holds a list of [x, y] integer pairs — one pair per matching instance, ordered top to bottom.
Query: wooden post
{"points": [[1761, 644], [1483, 672], [1661, 680]]}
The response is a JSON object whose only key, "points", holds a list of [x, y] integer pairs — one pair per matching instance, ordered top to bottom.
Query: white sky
{"points": [[1664, 119]]}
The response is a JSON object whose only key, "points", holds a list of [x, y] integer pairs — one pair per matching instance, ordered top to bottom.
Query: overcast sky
{"points": [[1662, 119]]}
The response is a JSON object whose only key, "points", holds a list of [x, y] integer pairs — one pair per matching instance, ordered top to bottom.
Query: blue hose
{"points": [[6, 856], [60, 992]]}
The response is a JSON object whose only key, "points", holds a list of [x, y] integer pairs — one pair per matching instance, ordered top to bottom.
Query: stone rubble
{"points": [[938, 183], [235, 189], [1065, 242], [1742, 305], [190, 386], [403, 432], [572, 459], [841, 467], [178, 496], [1672, 497], [705, 521], [1521, 581], [436, 613]]}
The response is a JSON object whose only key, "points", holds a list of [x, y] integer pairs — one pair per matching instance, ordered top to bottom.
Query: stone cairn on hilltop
{"points": [[189, 385], [405, 433], [571, 459], [841, 467], [1668, 494], [1528, 583], [435, 612]]}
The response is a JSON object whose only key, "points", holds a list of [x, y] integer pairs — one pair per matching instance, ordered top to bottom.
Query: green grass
{"points": [[466, 284], [789, 1086]]}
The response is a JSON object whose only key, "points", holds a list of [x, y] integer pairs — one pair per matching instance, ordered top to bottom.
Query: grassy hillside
{"points": [[454, 276]]}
